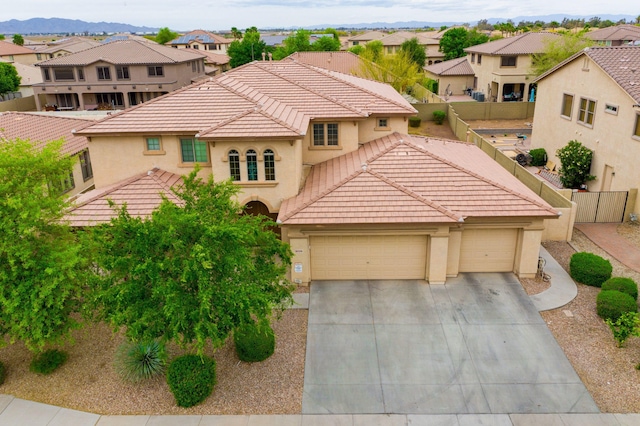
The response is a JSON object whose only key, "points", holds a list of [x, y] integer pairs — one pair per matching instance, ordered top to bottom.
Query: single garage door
{"points": [[488, 250], [368, 257]]}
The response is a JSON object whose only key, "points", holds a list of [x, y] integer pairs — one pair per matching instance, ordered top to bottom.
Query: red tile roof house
{"points": [[41, 129], [327, 154]]}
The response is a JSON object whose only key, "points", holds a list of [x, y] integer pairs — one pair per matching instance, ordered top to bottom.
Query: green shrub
{"points": [[439, 116], [414, 121], [538, 157], [589, 269], [624, 285], [612, 304], [624, 327], [254, 342], [140, 360], [48, 361], [2, 373], [191, 379]]}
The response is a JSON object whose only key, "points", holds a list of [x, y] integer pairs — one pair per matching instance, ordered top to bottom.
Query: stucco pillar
{"points": [[36, 97], [453, 261], [437, 262], [526, 264]]}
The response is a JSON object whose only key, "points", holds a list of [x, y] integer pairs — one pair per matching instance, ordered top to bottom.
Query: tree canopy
{"points": [[165, 35], [18, 40], [300, 41], [454, 41], [249, 49], [557, 49], [415, 51], [398, 70], [9, 78], [41, 263], [191, 272]]}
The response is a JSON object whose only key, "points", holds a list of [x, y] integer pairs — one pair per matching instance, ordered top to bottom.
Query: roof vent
{"points": [[364, 167], [150, 172]]}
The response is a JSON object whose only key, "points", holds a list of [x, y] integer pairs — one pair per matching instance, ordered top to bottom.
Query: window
{"points": [[355, 42], [196, 47], [39, 56], [473, 58], [479, 59], [508, 61], [193, 66], [155, 71], [104, 73], [122, 73], [47, 74], [63, 74], [80, 74], [115, 99], [567, 105], [611, 109], [587, 111], [383, 122], [636, 129], [325, 134], [153, 144], [193, 151], [85, 165], [234, 165], [252, 165], [269, 165], [63, 184]]}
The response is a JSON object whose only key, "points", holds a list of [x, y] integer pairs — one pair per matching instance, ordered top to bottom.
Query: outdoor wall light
{"points": [[88, 87]]}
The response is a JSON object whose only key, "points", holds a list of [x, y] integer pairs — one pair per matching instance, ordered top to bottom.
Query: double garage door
{"points": [[405, 256]]}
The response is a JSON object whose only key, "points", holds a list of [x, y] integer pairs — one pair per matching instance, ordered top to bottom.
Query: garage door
{"points": [[488, 250], [368, 257]]}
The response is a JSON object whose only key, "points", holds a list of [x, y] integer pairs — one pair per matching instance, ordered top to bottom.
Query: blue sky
{"points": [[224, 14]]}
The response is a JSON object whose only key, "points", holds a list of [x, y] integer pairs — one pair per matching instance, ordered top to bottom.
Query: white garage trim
{"points": [[488, 250]]}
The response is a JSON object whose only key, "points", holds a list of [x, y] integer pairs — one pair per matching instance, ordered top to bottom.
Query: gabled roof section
{"points": [[619, 32], [200, 36], [368, 36], [399, 37], [523, 44], [71, 45], [7, 48], [126, 52], [215, 58], [341, 61], [458, 66], [41, 129], [409, 179], [142, 194]]}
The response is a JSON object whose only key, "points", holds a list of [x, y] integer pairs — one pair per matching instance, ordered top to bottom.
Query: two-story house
{"points": [[618, 35], [364, 38], [201, 40], [64, 46], [13, 53], [503, 67], [116, 75], [454, 77], [594, 98], [327, 155]]}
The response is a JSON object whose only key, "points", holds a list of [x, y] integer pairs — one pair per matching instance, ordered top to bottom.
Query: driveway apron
{"points": [[474, 345]]}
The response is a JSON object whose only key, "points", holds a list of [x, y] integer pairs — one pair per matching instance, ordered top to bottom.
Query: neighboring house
{"points": [[618, 35], [126, 36], [363, 39], [201, 40], [65, 46], [13, 53], [342, 61], [215, 63], [503, 67], [29, 75], [116, 75], [454, 77], [594, 98], [41, 129], [327, 155]]}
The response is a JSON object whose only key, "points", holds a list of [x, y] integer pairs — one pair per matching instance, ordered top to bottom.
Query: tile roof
{"points": [[618, 32], [200, 36], [368, 36], [118, 37], [397, 38], [523, 44], [71, 45], [7, 48], [126, 52], [215, 58], [342, 61], [458, 66], [287, 94], [42, 129], [410, 179], [142, 194]]}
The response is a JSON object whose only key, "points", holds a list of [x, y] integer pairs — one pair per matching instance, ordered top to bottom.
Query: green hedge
{"points": [[439, 116], [414, 121], [538, 157], [589, 269], [624, 285], [611, 304], [254, 342], [48, 361], [191, 379]]}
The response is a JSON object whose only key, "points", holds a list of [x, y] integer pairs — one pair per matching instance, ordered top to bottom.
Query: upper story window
{"points": [[39, 56], [473, 58], [479, 59], [508, 61], [155, 71], [104, 73], [122, 73], [47, 74], [65, 74], [80, 74], [567, 105], [611, 109], [587, 111], [383, 123], [636, 128], [325, 134], [193, 151], [85, 165], [234, 165], [252, 165], [269, 165], [62, 184]]}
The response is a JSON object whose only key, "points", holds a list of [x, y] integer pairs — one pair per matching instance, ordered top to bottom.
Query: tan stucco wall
{"points": [[490, 71], [457, 84], [368, 130], [611, 135], [347, 139], [80, 184]]}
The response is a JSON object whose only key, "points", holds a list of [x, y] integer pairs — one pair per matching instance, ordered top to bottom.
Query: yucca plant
{"points": [[140, 360]]}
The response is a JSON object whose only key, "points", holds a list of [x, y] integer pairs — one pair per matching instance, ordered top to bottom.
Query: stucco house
{"points": [[618, 35], [364, 38], [201, 40], [64, 46], [13, 53], [503, 67], [116, 75], [454, 76], [594, 97], [41, 129], [328, 156]]}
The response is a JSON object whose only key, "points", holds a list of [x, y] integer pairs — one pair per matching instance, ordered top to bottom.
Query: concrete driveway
{"points": [[474, 345]]}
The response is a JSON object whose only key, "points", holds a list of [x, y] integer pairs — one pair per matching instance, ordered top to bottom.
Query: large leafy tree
{"points": [[165, 35], [18, 40], [299, 41], [454, 41], [326, 44], [248, 49], [557, 49], [415, 51], [397, 70], [9, 78], [41, 263], [191, 272]]}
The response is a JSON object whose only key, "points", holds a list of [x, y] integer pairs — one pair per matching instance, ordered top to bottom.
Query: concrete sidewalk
{"points": [[605, 236], [563, 289]]}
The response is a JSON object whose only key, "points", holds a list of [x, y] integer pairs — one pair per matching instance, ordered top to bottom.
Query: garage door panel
{"points": [[488, 250]]}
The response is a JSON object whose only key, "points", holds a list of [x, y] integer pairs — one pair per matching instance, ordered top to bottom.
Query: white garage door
{"points": [[488, 250], [368, 257]]}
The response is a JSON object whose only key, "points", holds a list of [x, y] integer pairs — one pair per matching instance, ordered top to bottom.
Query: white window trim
{"points": [[573, 101], [611, 108], [585, 123]]}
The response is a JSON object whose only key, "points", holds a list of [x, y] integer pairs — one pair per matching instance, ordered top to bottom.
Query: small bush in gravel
{"points": [[439, 116], [414, 121], [538, 157], [589, 269], [625, 285], [611, 304], [624, 327], [254, 341], [140, 360], [48, 361], [2, 373], [191, 379]]}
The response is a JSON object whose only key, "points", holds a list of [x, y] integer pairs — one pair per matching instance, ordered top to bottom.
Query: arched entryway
{"points": [[259, 208]]}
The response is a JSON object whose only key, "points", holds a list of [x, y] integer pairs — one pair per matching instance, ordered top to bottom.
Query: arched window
{"points": [[234, 164], [252, 165], [269, 165]]}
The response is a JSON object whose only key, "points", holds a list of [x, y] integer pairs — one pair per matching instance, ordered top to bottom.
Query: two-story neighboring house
{"points": [[618, 35], [364, 38], [201, 40], [392, 43], [65, 46], [13, 53], [503, 67], [116, 75], [594, 98], [41, 129], [327, 155]]}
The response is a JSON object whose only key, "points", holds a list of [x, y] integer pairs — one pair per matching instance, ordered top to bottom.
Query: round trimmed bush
{"points": [[439, 116], [414, 121], [538, 156], [589, 269], [624, 285], [611, 304], [254, 341], [48, 361], [2, 373], [191, 379]]}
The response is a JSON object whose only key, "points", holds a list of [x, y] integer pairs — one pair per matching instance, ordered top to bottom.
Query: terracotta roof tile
{"points": [[617, 32], [523, 44], [7, 48], [343, 61], [458, 66]]}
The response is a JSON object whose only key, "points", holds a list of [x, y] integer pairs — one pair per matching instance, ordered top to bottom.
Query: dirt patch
{"points": [[431, 129]]}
